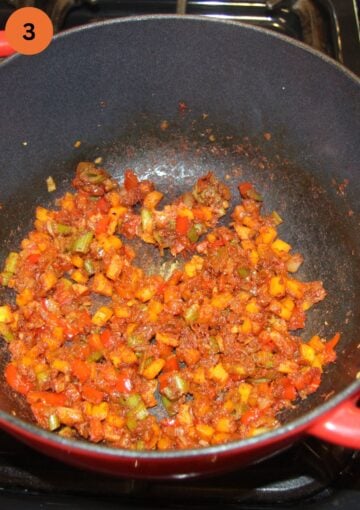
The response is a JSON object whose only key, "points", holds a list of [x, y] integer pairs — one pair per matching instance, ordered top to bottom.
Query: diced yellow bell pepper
{"points": [[152, 199], [185, 213], [43, 214], [243, 232], [267, 235], [281, 246], [254, 257], [77, 261], [193, 266], [115, 267], [79, 276], [49, 280], [101, 285], [277, 286], [294, 288], [145, 294], [25, 297], [221, 301], [287, 306], [252, 307], [154, 308], [122, 311], [6, 314], [102, 316], [246, 326], [167, 339], [316, 343], [307, 353], [152, 370], [218, 373], [244, 391], [100, 411], [224, 424], [205, 431]]}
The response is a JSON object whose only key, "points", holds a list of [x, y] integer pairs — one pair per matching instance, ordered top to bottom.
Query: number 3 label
{"points": [[29, 30], [30, 34]]}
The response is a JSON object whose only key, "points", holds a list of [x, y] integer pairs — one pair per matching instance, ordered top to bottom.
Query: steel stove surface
{"points": [[311, 475]]}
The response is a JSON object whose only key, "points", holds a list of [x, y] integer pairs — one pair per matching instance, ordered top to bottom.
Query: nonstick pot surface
{"points": [[111, 86]]}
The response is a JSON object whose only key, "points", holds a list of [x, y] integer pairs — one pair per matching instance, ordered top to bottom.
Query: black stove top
{"points": [[331, 26], [311, 475]]}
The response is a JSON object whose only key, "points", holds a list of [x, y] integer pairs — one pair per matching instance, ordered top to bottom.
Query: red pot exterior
{"points": [[156, 466]]}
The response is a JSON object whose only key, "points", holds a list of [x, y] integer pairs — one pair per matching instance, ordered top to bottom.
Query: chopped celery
{"points": [[95, 176], [254, 195], [276, 217], [146, 220], [63, 229], [193, 236], [82, 243], [11, 262], [89, 267], [243, 272], [5, 278], [192, 313], [5, 332], [135, 342], [214, 344], [95, 356], [42, 377], [181, 384], [131, 401], [169, 406], [141, 412], [54, 422], [131, 423], [140, 445]]}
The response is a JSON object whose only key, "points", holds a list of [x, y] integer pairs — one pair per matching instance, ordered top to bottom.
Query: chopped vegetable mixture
{"points": [[103, 351]]}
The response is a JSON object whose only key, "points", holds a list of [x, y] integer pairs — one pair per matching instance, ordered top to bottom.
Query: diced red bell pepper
{"points": [[130, 181], [244, 188], [103, 205], [102, 225], [182, 225], [33, 258], [171, 363], [80, 369], [16, 380], [124, 384], [91, 394], [47, 397]]}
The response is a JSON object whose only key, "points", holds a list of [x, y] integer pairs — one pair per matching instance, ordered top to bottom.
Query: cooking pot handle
{"points": [[5, 48], [342, 426]]}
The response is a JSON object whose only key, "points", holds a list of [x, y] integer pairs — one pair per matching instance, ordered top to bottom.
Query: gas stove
{"points": [[330, 26], [310, 475]]}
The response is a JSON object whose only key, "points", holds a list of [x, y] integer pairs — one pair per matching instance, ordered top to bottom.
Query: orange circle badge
{"points": [[29, 30]]}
